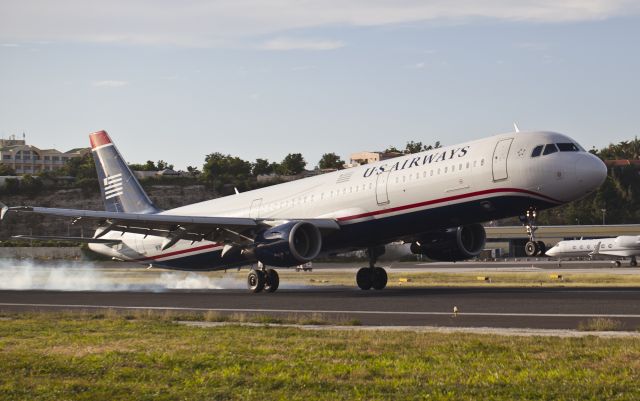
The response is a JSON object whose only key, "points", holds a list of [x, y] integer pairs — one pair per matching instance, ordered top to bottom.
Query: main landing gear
{"points": [[532, 247], [633, 262], [372, 276], [263, 279]]}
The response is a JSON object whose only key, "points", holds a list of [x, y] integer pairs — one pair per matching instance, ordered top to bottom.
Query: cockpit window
{"points": [[568, 147], [549, 148], [536, 151]]}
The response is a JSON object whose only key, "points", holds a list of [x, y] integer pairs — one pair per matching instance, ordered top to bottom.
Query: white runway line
{"points": [[343, 312], [435, 329]]}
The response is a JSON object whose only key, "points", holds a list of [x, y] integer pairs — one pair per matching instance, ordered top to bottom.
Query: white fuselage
{"points": [[476, 173], [624, 246]]}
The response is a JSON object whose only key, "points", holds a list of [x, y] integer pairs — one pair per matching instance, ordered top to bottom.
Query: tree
{"points": [[413, 147], [416, 147], [392, 149], [331, 160], [292, 164], [163, 165], [220, 165], [148, 166], [78, 167], [262, 167], [6, 170], [194, 171]]}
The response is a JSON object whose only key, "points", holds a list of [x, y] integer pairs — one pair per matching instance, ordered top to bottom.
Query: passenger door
{"points": [[499, 164], [382, 193]]}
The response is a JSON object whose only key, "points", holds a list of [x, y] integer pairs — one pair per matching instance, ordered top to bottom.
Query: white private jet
{"points": [[435, 200], [624, 246]]}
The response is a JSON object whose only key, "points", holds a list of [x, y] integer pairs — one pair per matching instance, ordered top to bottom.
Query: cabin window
{"points": [[568, 147], [549, 148], [536, 151], [482, 162], [467, 164], [446, 169], [431, 173], [424, 174], [610, 245], [581, 246], [603, 246], [574, 247]]}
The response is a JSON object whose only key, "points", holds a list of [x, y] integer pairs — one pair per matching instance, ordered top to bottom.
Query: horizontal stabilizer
{"points": [[87, 240]]}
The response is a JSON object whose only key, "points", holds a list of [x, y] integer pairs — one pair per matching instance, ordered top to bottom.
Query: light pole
{"points": [[604, 213]]}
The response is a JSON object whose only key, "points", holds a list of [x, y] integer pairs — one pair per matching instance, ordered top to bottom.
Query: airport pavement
{"points": [[548, 308]]}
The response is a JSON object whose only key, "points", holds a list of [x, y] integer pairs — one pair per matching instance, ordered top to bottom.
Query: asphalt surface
{"points": [[548, 308]]}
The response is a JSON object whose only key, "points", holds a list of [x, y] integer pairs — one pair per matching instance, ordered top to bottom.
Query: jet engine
{"points": [[460, 243], [290, 244]]}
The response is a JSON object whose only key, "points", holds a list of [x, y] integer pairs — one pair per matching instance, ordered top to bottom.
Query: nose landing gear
{"points": [[532, 247], [372, 276]]}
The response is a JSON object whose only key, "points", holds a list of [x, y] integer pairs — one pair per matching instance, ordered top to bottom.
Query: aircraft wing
{"points": [[237, 230], [87, 240]]}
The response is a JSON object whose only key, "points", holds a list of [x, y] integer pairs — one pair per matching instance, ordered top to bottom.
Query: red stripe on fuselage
{"points": [[447, 199], [164, 255]]}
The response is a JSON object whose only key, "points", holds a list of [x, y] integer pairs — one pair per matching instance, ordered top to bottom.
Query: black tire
{"points": [[531, 248], [542, 248], [617, 263], [633, 263], [364, 278], [379, 278], [256, 280], [272, 280]]}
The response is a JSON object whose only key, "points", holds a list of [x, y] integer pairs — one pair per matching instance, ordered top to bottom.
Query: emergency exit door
{"points": [[382, 193]]}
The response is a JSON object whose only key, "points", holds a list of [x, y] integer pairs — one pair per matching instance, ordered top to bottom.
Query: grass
{"points": [[601, 324], [116, 357]]}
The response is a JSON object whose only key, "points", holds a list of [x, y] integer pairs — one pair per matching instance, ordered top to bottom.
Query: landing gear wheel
{"points": [[531, 248], [542, 248], [633, 262], [617, 263], [364, 278], [378, 278], [256, 280], [272, 280]]}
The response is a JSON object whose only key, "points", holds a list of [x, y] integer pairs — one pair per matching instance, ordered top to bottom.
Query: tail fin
{"points": [[120, 189]]}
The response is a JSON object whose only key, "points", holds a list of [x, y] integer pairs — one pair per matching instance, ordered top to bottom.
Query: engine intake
{"points": [[460, 243], [289, 244]]}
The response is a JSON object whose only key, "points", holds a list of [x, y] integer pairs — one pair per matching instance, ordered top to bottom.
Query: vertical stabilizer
{"points": [[120, 189]]}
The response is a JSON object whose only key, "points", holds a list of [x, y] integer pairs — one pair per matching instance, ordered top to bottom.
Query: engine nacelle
{"points": [[461, 243], [289, 244]]}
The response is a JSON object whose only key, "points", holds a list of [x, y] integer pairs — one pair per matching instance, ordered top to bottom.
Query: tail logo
{"points": [[113, 186]]}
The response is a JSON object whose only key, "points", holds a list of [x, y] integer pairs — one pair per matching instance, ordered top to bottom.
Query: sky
{"points": [[177, 80]]}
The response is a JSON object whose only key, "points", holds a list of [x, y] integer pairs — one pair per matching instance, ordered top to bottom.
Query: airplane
{"points": [[435, 200], [624, 246]]}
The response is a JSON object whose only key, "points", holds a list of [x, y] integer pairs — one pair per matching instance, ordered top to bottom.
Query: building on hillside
{"points": [[360, 158], [28, 159]]}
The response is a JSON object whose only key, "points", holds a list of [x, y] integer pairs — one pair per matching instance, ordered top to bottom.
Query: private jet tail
{"points": [[120, 189]]}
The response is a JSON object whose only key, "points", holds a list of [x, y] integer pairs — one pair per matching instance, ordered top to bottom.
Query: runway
{"points": [[544, 308]]}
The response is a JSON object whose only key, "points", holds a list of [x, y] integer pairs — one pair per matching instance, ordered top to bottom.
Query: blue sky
{"points": [[178, 80]]}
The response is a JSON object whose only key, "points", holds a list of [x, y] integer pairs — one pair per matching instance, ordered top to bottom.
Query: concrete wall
{"points": [[40, 252]]}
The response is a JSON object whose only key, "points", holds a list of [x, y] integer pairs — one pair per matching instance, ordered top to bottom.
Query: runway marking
{"points": [[343, 312]]}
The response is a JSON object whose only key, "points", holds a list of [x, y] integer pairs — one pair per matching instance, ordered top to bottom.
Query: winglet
{"points": [[515, 127], [3, 210]]}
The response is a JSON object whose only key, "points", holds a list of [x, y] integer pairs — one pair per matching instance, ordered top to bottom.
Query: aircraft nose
{"points": [[591, 171]]}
